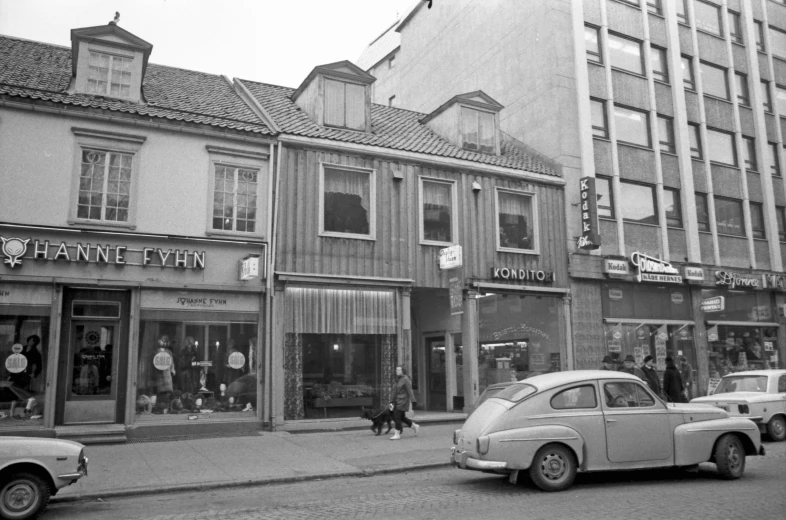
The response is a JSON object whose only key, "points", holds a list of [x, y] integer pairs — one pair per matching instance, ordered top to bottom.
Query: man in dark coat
{"points": [[607, 363], [631, 368], [651, 376], [672, 382]]}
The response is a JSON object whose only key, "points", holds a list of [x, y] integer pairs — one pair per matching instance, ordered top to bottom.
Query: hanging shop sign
{"points": [[590, 238], [15, 249], [450, 257], [249, 267], [614, 267], [652, 269], [695, 274], [524, 275], [735, 280], [774, 281], [456, 295], [715, 304], [16, 362]]}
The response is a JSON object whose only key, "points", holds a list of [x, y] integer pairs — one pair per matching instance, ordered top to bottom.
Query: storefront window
{"points": [[519, 337], [24, 350], [340, 351], [199, 361]]}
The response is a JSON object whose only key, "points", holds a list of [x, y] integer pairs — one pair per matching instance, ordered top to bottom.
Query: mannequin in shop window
{"points": [[34, 366], [164, 366], [232, 373], [188, 374]]}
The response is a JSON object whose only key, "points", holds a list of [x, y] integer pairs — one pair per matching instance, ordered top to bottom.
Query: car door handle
{"points": [[611, 420]]}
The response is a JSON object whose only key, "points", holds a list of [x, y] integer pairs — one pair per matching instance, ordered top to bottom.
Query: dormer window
{"points": [[109, 75], [345, 104], [477, 130]]}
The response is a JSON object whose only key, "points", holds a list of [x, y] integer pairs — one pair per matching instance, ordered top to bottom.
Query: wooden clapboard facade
{"points": [[399, 150]]}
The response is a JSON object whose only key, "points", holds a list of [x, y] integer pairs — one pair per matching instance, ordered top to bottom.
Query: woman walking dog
{"points": [[402, 398]]}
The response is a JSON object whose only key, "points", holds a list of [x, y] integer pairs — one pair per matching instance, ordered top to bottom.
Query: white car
{"points": [[759, 395], [32, 469]]}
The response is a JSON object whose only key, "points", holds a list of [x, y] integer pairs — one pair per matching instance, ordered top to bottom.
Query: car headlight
{"points": [[743, 408], [456, 435], [483, 444]]}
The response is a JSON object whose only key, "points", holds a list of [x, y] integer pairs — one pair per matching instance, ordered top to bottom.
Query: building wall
{"points": [[387, 83], [396, 252]]}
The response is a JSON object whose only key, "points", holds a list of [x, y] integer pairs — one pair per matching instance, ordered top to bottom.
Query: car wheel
{"points": [[776, 428], [730, 457], [553, 468], [23, 496]]}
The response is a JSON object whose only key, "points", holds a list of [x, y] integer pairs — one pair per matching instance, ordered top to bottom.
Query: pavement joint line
{"points": [[201, 486]]}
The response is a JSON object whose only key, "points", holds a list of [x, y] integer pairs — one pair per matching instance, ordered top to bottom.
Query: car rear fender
{"points": [[694, 442], [518, 446], [31, 466]]}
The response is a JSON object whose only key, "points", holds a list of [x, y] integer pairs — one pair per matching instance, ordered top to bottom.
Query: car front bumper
{"points": [[461, 459], [80, 472]]}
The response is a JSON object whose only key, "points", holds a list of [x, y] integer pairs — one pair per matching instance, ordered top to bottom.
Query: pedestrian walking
{"points": [[607, 363], [631, 368], [686, 371], [651, 376], [672, 382], [402, 399]]}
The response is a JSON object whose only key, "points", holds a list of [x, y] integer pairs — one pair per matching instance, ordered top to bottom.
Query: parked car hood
{"points": [[734, 397], [699, 411], [23, 447]]}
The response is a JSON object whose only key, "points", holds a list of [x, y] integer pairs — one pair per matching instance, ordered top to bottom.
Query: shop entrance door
{"points": [[93, 365], [435, 368]]}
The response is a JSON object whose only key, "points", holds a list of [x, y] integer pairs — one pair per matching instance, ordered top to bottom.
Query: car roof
{"points": [[770, 372], [555, 379]]}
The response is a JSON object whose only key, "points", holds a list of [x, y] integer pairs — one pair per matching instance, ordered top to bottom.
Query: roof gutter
{"points": [[399, 155]]}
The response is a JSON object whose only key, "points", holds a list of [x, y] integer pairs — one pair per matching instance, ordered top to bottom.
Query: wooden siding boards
{"points": [[397, 252]]}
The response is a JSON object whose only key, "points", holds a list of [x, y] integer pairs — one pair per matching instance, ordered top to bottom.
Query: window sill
{"points": [[629, 4], [659, 15], [684, 24], [718, 36], [741, 44], [593, 62], [630, 73], [661, 82], [691, 90], [725, 100], [743, 105], [769, 112], [604, 139], [634, 145], [666, 152], [733, 166], [608, 219], [640, 223], [100, 224], [680, 227], [234, 234], [351, 236], [731, 236], [764, 239], [438, 244], [518, 251]]}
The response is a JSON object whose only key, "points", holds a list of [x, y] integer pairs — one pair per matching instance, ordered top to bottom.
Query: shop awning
{"points": [[634, 321], [744, 323]]}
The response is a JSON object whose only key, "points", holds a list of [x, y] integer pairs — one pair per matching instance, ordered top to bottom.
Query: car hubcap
{"points": [[777, 427], [734, 456], [553, 466], [19, 497]]}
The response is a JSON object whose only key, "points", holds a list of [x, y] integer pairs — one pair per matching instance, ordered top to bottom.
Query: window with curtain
{"points": [[707, 18], [735, 27], [759, 35], [625, 54], [660, 70], [688, 79], [743, 94], [766, 98], [345, 104], [632, 126], [600, 127], [477, 130], [666, 134], [695, 141], [721, 147], [749, 153], [772, 156], [104, 186], [603, 194], [235, 198], [671, 200], [347, 203], [637, 203], [437, 208], [702, 212], [515, 213], [728, 217], [757, 220]]}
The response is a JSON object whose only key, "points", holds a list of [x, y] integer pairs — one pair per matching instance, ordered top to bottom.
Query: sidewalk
{"points": [[269, 457]]}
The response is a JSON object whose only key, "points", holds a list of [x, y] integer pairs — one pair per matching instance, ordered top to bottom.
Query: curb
{"points": [[182, 488]]}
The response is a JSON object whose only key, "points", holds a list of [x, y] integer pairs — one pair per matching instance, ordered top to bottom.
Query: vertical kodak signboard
{"points": [[590, 238]]}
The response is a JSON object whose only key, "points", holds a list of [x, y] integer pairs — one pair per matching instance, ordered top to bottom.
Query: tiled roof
{"points": [[386, 43], [36, 70], [393, 128]]}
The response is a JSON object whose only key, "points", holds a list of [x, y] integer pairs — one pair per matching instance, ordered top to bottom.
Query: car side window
{"points": [[782, 384], [620, 395], [577, 397], [645, 399]]}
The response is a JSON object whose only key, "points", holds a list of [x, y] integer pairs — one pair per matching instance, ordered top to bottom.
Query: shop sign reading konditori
{"points": [[15, 248], [650, 269]]}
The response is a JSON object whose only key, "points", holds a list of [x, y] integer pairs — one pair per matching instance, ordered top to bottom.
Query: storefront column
{"points": [[56, 319], [469, 333], [405, 337], [700, 339], [133, 356], [568, 364], [276, 367], [450, 371]]}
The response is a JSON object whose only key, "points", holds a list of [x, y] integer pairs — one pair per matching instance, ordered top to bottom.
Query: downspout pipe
{"points": [[271, 293]]}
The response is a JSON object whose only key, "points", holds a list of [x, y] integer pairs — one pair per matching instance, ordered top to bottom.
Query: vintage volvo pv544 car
{"points": [[554, 425]]}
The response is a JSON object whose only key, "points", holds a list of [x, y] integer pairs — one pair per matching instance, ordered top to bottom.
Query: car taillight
{"points": [[743, 408], [456, 434], [483, 444]]}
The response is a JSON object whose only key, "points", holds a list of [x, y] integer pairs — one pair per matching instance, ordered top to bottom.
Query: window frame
{"points": [[655, 7], [682, 17], [718, 17], [735, 27], [759, 36], [776, 50], [589, 53], [112, 57], [641, 72], [661, 76], [741, 82], [704, 83], [344, 84], [688, 84], [780, 99], [767, 105], [646, 126], [605, 128], [494, 129], [695, 130], [110, 142], [671, 143], [735, 156], [749, 158], [246, 159], [775, 166], [610, 182], [654, 202], [737, 202], [702, 203], [678, 209], [453, 217], [780, 218], [372, 220], [535, 221], [756, 231], [594, 398]]}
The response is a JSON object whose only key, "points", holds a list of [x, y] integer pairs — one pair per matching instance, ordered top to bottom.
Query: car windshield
{"points": [[742, 384], [487, 393], [516, 393]]}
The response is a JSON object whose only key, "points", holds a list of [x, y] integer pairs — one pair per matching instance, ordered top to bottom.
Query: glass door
{"points": [[435, 360], [91, 393]]}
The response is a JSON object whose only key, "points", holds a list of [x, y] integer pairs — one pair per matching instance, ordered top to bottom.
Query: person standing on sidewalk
{"points": [[686, 372], [651, 376], [672, 382], [402, 399]]}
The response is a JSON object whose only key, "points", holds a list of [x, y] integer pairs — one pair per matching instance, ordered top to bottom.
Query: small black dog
{"points": [[379, 418]]}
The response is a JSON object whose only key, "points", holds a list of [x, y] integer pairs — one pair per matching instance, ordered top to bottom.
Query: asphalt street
{"points": [[452, 493]]}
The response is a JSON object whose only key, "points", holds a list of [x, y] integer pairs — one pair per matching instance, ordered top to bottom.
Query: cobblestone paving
{"points": [[451, 493]]}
